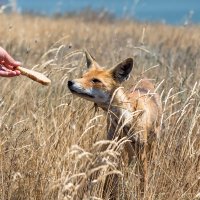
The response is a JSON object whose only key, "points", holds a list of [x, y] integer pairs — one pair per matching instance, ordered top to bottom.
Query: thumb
{"points": [[8, 60]]}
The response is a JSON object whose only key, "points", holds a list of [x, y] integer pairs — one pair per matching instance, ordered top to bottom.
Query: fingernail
{"points": [[18, 63], [18, 72]]}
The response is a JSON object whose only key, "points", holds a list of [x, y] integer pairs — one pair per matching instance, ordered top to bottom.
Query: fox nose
{"points": [[70, 83]]}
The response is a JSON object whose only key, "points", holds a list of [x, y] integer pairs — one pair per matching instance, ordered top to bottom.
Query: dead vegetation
{"points": [[50, 140]]}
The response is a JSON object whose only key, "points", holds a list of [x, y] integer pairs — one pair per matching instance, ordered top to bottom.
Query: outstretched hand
{"points": [[8, 65]]}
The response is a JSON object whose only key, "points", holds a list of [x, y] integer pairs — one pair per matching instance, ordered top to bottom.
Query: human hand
{"points": [[8, 64]]}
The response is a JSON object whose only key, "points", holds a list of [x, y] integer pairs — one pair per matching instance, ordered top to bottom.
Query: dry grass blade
{"points": [[51, 142]]}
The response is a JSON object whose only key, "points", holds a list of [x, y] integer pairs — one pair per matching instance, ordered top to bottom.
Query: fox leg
{"points": [[144, 161]]}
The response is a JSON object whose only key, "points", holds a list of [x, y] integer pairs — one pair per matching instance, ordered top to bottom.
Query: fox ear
{"points": [[89, 59], [122, 71]]}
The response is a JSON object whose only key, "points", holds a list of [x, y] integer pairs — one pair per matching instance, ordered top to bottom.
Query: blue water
{"points": [[169, 11]]}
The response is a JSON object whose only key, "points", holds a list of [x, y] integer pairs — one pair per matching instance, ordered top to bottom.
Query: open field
{"points": [[50, 139]]}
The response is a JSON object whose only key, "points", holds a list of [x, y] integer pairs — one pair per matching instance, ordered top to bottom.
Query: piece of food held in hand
{"points": [[36, 76]]}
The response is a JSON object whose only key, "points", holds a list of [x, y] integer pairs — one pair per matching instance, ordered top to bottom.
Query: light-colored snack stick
{"points": [[36, 76]]}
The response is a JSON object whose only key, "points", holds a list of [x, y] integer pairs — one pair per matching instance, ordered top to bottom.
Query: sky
{"points": [[169, 11]]}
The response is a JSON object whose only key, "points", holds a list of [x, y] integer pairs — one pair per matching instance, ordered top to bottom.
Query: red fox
{"points": [[134, 114]]}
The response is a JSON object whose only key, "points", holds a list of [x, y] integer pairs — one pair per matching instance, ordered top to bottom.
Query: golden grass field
{"points": [[50, 139]]}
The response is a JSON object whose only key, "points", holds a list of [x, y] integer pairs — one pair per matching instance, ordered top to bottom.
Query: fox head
{"points": [[98, 84]]}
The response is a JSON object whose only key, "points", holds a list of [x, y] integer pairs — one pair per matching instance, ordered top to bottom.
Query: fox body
{"points": [[137, 110], [134, 114]]}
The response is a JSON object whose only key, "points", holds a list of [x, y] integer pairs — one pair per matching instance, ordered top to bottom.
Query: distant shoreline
{"points": [[154, 11], [99, 15]]}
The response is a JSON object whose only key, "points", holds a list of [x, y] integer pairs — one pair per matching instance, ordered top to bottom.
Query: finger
{"points": [[9, 66], [3, 68], [17, 72], [8, 73]]}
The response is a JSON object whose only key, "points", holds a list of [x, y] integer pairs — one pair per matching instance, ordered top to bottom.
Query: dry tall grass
{"points": [[50, 140]]}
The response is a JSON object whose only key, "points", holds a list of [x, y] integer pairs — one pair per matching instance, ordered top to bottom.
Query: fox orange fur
{"points": [[134, 114]]}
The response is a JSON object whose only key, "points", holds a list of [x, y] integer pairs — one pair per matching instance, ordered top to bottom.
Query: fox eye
{"points": [[95, 80]]}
